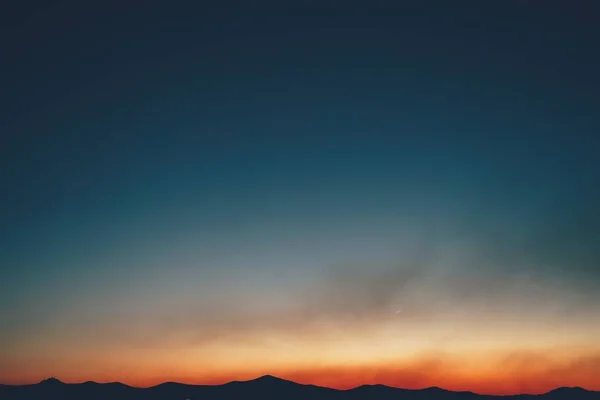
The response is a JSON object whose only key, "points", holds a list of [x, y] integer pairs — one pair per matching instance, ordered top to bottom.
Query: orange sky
{"points": [[341, 335], [336, 355], [519, 373]]}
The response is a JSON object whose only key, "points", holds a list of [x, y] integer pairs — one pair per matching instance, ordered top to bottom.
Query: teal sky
{"points": [[159, 162]]}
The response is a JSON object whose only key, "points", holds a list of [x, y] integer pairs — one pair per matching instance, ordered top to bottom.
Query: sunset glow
{"points": [[377, 192]]}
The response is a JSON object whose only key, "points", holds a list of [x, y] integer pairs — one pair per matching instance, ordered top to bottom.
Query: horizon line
{"points": [[270, 376]]}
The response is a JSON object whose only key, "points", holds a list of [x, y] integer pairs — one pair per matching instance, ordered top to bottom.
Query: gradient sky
{"points": [[203, 193]]}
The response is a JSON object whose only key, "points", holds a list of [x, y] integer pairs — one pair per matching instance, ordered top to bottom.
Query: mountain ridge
{"points": [[265, 386]]}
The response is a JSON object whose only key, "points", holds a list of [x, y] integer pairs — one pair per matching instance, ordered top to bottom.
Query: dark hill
{"points": [[266, 387]]}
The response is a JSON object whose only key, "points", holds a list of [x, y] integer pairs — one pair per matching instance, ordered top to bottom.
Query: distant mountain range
{"points": [[266, 387]]}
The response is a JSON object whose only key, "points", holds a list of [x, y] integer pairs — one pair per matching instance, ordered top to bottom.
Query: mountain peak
{"points": [[265, 378], [269, 379], [51, 381], [435, 389], [569, 389]]}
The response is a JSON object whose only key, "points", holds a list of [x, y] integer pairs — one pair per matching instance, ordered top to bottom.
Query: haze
{"points": [[202, 193]]}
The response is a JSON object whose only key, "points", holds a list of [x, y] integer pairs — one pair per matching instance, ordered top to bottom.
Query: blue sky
{"points": [[161, 157]]}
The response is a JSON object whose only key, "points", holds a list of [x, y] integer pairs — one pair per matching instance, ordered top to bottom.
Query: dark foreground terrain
{"points": [[266, 387]]}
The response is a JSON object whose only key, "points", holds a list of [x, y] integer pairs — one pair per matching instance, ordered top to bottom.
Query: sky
{"points": [[205, 192]]}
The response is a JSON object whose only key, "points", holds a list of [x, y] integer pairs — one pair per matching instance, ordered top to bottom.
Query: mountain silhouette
{"points": [[51, 381], [266, 387]]}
